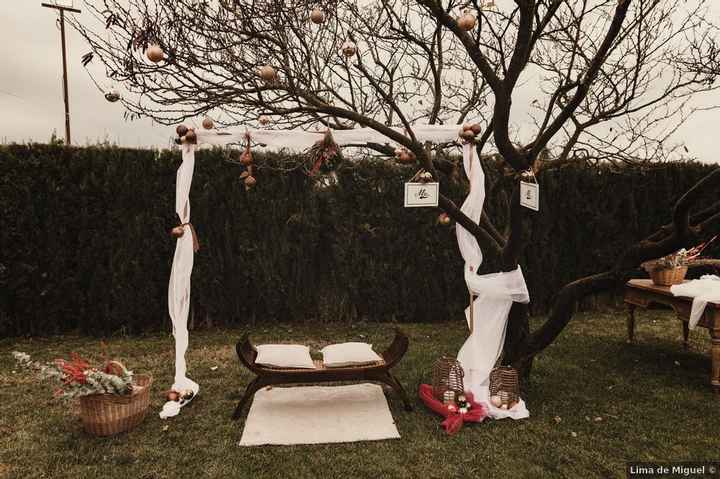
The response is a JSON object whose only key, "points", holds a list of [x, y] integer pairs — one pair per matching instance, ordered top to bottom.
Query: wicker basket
{"points": [[668, 276], [447, 375], [505, 386], [109, 414]]}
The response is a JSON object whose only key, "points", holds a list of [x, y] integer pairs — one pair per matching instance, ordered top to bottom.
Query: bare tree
{"points": [[609, 80]]}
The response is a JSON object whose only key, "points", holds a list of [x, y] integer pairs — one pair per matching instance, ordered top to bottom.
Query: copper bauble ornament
{"points": [[317, 16], [467, 21], [348, 49], [155, 54], [267, 73], [112, 95], [264, 119], [207, 123], [476, 128], [181, 130], [467, 135], [191, 137], [406, 157], [246, 158], [250, 181], [177, 231], [172, 396]]}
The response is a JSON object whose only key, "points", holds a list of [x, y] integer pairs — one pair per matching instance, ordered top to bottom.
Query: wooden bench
{"points": [[643, 293], [376, 372]]}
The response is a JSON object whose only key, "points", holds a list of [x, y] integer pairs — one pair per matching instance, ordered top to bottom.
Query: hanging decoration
{"points": [[317, 16], [467, 21], [348, 49], [155, 53], [267, 73], [112, 95], [264, 120], [207, 123], [324, 154], [405, 156], [246, 159], [444, 219], [179, 284]]}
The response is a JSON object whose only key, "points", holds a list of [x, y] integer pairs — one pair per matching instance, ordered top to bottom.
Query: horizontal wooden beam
{"points": [[60, 7]]}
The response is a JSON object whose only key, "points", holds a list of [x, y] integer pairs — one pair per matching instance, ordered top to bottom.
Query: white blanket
{"points": [[703, 291], [318, 414]]}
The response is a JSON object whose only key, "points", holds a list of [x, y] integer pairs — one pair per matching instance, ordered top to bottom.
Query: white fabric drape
{"points": [[298, 140], [179, 286], [703, 291], [495, 295]]}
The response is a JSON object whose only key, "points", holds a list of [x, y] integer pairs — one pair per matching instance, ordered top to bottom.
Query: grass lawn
{"points": [[595, 402]]}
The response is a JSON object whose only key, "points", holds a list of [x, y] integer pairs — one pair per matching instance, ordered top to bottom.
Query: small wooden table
{"points": [[643, 293]]}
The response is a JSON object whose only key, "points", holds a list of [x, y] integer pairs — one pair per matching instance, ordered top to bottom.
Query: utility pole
{"points": [[62, 10]]}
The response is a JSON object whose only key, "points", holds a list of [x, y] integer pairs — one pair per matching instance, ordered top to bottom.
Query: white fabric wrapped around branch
{"points": [[298, 141], [179, 287], [495, 294]]}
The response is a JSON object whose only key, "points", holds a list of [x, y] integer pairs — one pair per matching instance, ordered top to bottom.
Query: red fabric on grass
{"points": [[453, 419]]}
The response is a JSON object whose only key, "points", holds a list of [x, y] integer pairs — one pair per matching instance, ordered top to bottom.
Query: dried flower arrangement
{"points": [[679, 259], [77, 378]]}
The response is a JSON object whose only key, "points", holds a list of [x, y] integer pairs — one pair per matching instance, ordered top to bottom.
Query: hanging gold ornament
{"points": [[317, 16], [467, 21], [348, 48], [155, 53], [267, 73], [112, 95], [264, 119], [207, 123], [181, 130], [467, 135], [191, 136], [405, 156], [250, 181], [444, 219], [177, 232]]}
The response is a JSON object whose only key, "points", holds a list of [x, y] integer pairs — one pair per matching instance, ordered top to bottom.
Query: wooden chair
{"points": [[375, 372]]}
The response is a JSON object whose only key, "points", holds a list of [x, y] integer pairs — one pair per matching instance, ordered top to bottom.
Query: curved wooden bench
{"points": [[376, 372]]}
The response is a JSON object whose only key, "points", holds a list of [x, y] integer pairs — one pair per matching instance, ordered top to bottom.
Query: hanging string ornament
{"points": [[317, 16], [467, 21], [348, 49], [155, 53], [267, 73], [112, 95], [264, 120], [207, 123], [324, 155], [246, 159], [443, 219]]}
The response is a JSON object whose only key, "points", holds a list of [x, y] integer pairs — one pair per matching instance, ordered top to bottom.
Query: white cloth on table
{"points": [[703, 291], [495, 294]]}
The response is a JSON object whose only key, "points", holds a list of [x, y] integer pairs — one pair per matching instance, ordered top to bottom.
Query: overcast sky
{"points": [[31, 90]]}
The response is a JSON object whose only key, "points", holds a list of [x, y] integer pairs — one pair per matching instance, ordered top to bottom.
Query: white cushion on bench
{"points": [[349, 354], [284, 356]]}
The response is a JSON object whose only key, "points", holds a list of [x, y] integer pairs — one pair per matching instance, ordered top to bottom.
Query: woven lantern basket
{"points": [[668, 276], [447, 376], [505, 385], [109, 414]]}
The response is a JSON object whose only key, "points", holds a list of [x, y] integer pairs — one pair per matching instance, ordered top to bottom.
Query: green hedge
{"points": [[84, 241]]}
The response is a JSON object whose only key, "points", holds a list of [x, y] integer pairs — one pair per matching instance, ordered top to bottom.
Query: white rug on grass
{"points": [[318, 414]]}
